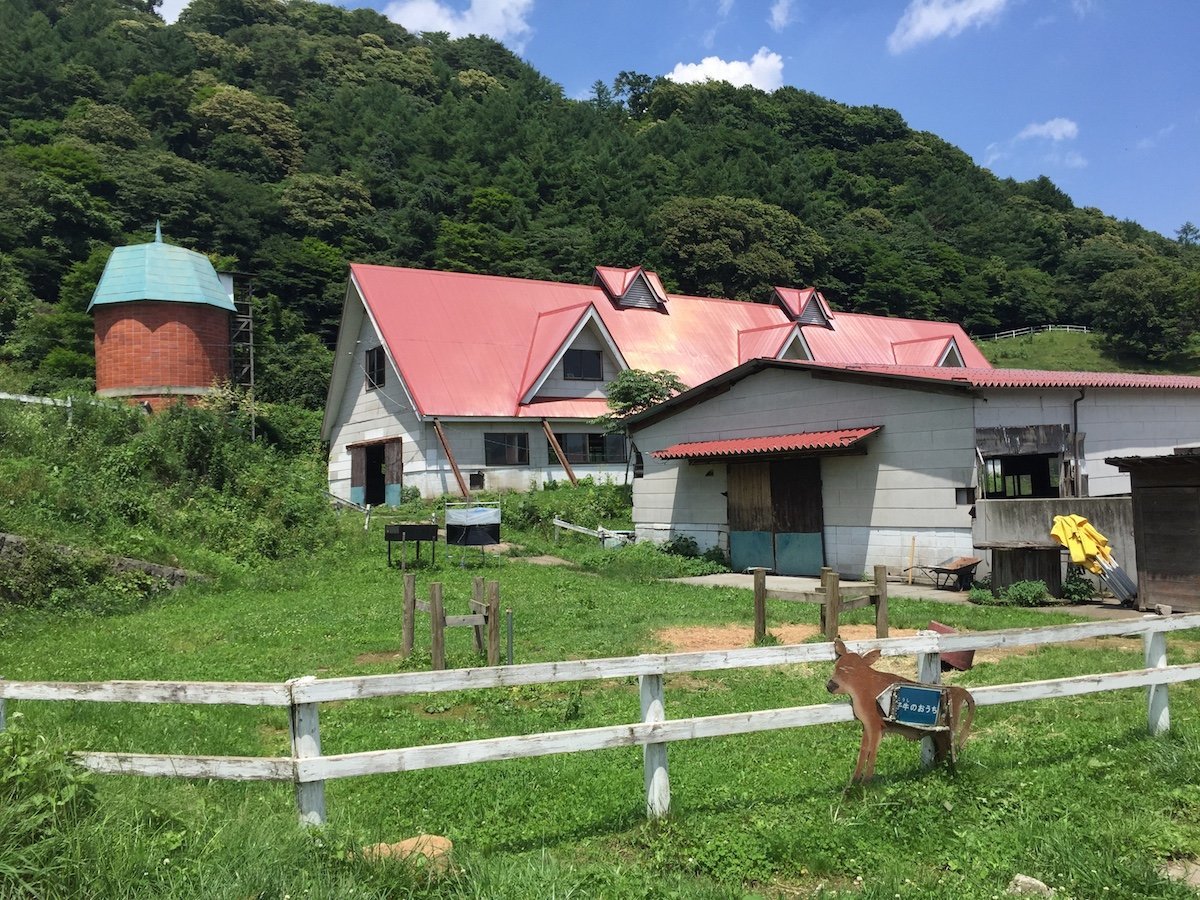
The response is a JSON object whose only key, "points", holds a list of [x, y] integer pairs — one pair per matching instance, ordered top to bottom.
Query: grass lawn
{"points": [[1071, 351], [1072, 792]]}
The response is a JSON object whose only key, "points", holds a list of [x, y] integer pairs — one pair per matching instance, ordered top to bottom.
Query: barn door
{"points": [[393, 471], [358, 475], [775, 517], [798, 519], [751, 535]]}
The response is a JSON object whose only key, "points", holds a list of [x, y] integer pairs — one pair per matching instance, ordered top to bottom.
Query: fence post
{"points": [[881, 600], [477, 602], [833, 604], [760, 605], [410, 613], [493, 623], [437, 627], [510, 636], [929, 671], [1159, 712], [305, 730], [654, 756]]}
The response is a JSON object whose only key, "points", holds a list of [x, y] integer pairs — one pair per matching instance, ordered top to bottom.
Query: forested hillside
{"points": [[292, 138]]}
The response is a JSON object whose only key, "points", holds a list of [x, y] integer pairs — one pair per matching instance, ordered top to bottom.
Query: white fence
{"points": [[1030, 329], [308, 769]]}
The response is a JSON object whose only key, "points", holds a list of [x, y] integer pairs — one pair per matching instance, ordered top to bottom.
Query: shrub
{"points": [[589, 504], [681, 545], [646, 560], [1077, 588], [1027, 593], [983, 596]]}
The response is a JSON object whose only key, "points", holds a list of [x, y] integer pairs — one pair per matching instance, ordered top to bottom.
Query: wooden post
{"points": [[558, 451], [458, 476], [880, 599], [476, 603], [832, 605], [760, 606], [410, 614], [493, 623], [437, 627], [929, 671], [1159, 712], [305, 731], [658, 782]]}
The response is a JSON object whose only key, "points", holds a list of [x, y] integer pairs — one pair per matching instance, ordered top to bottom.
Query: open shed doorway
{"points": [[374, 484], [775, 516]]}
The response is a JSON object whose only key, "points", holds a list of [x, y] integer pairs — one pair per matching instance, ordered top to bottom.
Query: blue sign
{"points": [[916, 705]]}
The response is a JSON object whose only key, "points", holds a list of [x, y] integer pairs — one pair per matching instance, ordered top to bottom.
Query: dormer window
{"points": [[634, 287], [805, 307], [583, 365]]}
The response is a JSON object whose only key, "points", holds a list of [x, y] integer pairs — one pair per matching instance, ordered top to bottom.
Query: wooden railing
{"points": [[1030, 329], [308, 769]]}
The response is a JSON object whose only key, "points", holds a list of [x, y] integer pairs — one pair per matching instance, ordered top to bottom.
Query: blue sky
{"points": [[1099, 95]]}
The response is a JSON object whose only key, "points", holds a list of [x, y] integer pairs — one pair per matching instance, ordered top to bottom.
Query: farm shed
{"points": [[447, 382], [897, 455], [1166, 523]]}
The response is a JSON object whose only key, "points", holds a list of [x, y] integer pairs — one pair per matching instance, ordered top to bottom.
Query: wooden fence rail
{"points": [[829, 596], [308, 768]]}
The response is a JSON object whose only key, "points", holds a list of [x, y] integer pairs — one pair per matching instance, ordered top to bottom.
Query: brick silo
{"points": [[162, 320]]}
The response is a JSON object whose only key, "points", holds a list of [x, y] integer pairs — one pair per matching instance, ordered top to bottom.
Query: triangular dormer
{"points": [[637, 287], [805, 306], [795, 347], [951, 358], [577, 361]]}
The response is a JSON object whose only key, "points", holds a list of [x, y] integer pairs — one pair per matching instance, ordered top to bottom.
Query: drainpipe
{"points": [[1077, 474]]}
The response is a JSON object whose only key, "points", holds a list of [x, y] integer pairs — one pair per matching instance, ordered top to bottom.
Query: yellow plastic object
{"points": [[1087, 545]]}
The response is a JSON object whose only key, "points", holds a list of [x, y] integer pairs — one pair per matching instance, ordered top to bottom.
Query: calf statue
{"points": [[882, 708]]}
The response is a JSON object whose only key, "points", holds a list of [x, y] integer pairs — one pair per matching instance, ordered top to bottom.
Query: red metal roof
{"points": [[764, 342], [472, 345], [1020, 378], [759, 446]]}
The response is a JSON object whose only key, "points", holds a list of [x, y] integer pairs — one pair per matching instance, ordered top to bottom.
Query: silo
{"points": [[162, 321]]}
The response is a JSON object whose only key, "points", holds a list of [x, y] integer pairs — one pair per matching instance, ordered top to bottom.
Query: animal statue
{"points": [[853, 675]]}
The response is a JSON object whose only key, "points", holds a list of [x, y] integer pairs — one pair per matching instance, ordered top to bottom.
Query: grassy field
{"points": [[1071, 351], [1072, 792]]}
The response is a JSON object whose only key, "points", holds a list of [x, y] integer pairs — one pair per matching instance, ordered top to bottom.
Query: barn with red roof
{"points": [[446, 382], [795, 464]]}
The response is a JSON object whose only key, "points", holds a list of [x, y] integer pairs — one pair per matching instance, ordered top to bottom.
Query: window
{"points": [[583, 365], [376, 368], [582, 448], [511, 449], [1033, 476], [964, 496]]}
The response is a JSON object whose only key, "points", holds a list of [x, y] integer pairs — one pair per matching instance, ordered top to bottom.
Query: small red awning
{"points": [[805, 442]]}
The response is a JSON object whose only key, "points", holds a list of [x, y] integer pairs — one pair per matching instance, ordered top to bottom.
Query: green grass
{"points": [[1071, 351], [1072, 792]]}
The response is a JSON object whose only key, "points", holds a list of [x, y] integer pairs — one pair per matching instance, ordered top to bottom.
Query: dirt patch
{"points": [[545, 561], [731, 637], [369, 659]]}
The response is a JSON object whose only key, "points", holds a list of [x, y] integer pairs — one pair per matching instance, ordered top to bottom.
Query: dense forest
{"points": [[288, 139]]}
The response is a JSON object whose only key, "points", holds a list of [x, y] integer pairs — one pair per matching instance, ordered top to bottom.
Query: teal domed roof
{"points": [[158, 271]]}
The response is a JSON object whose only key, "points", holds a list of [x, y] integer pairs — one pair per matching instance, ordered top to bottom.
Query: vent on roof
{"points": [[639, 295], [814, 312], [952, 359]]}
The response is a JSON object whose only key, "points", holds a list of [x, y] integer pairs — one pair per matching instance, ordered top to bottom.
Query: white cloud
{"points": [[1083, 7], [724, 8], [782, 15], [504, 20], [925, 20], [764, 70], [1057, 129], [1152, 140]]}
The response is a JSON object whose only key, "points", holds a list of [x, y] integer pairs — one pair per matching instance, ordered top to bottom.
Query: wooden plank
{"points": [[558, 451], [458, 475], [795, 486], [749, 496], [561, 523], [797, 596], [854, 603], [422, 605], [760, 605], [410, 608], [475, 621], [493, 623], [437, 627], [1057, 634], [929, 671], [407, 683], [1055, 688], [198, 692], [1158, 709], [305, 733], [654, 756], [411, 759], [223, 768]]}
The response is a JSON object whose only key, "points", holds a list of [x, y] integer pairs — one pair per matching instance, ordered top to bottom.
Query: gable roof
{"points": [[475, 345]]}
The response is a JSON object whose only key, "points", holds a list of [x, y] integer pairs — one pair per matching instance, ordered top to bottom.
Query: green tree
{"points": [[1149, 311]]}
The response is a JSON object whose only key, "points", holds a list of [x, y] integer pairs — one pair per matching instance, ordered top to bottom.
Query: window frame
{"points": [[574, 359], [375, 368], [514, 443], [595, 450]]}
